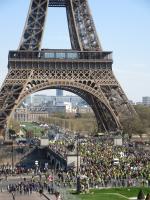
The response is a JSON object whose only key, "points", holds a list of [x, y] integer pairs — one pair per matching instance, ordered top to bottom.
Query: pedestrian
{"points": [[13, 195]]}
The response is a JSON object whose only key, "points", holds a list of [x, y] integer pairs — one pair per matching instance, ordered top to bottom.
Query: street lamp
{"points": [[12, 149], [12, 155], [36, 166], [78, 189]]}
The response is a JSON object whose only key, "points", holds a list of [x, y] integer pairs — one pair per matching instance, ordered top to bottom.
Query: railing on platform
{"points": [[60, 54]]}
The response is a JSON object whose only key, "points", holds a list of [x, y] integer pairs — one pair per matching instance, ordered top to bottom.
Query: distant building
{"points": [[59, 93], [41, 99], [146, 101], [49, 107], [69, 108], [56, 109], [85, 109], [24, 115]]}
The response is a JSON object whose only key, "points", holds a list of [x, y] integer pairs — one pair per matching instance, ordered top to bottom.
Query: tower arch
{"points": [[85, 69], [86, 93]]}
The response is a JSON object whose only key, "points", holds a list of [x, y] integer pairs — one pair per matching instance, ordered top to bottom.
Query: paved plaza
{"points": [[34, 196]]}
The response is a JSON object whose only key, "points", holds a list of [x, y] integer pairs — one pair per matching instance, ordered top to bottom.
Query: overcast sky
{"points": [[123, 27]]}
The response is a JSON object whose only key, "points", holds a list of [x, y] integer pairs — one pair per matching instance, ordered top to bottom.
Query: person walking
{"points": [[13, 195]]}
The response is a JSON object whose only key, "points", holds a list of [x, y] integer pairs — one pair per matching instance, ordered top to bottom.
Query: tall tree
{"points": [[14, 125]]}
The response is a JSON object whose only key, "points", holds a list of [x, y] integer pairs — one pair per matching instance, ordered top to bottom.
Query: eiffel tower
{"points": [[85, 69]]}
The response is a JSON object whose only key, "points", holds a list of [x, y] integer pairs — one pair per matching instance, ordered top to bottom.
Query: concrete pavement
{"points": [[5, 196], [34, 196]]}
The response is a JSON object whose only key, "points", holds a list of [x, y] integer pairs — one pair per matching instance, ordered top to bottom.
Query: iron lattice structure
{"points": [[85, 70]]}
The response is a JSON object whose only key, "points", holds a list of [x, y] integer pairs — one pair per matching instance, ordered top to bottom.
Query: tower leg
{"points": [[10, 93]]}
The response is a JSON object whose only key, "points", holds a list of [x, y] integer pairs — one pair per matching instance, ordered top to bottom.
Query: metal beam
{"points": [[57, 3], [34, 26]]}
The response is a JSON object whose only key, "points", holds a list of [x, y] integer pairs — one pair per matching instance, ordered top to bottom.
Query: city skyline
{"points": [[121, 26], [69, 94]]}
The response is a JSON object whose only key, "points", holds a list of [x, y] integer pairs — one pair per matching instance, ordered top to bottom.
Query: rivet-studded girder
{"points": [[34, 26], [81, 26], [82, 31], [98, 87]]}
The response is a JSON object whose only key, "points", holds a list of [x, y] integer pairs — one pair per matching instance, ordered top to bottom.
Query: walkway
{"points": [[34, 196]]}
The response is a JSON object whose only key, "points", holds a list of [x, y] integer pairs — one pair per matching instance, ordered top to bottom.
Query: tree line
{"points": [[138, 125]]}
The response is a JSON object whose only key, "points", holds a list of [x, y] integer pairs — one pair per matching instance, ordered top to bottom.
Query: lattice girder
{"points": [[84, 25], [81, 26], [34, 27], [103, 92], [9, 95]]}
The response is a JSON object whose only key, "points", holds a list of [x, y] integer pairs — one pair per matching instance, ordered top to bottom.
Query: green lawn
{"points": [[36, 129], [113, 194], [101, 197]]}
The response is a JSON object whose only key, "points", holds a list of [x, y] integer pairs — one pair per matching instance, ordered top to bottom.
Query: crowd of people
{"points": [[99, 164], [102, 164], [105, 164], [7, 170], [34, 184], [24, 187]]}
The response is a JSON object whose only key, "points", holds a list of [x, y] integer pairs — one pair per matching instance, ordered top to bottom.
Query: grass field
{"points": [[36, 129], [113, 194]]}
